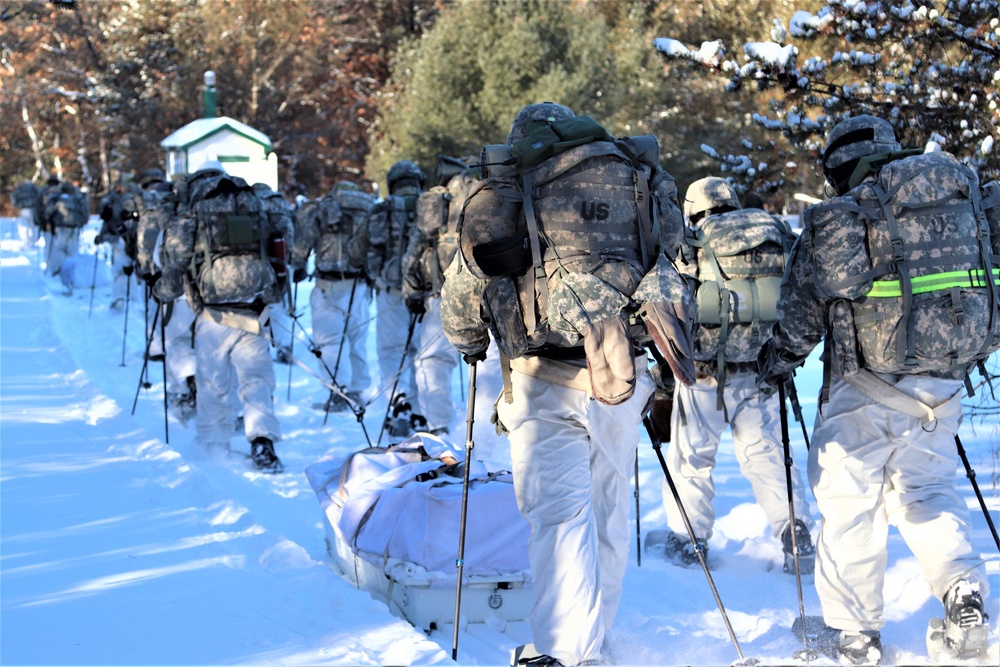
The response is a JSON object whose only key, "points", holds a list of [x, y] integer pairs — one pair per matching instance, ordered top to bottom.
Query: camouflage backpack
{"points": [[25, 196], [69, 209], [158, 210], [438, 213], [395, 215], [569, 227], [740, 257], [909, 260], [230, 266]]}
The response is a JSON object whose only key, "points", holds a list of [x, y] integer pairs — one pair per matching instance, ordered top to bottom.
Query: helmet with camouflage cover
{"points": [[540, 111], [850, 141], [405, 170], [151, 176], [710, 195]]}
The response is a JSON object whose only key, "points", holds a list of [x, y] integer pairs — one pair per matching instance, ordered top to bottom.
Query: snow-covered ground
{"points": [[117, 547]]}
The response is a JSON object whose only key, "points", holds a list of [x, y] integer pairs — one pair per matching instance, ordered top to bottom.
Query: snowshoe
{"points": [[283, 355], [335, 403], [183, 407], [397, 423], [263, 457], [672, 547], [807, 552], [962, 633], [817, 638], [859, 648], [526, 655]]}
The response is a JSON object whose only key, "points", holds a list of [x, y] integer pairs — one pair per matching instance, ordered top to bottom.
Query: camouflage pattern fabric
{"points": [[25, 195], [159, 204], [46, 205], [68, 207], [120, 210], [323, 227], [384, 237], [435, 243], [750, 247], [216, 249], [843, 271], [462, 316]]}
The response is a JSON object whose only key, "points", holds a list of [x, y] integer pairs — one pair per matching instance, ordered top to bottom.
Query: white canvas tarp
{"points": [[405, 502]]}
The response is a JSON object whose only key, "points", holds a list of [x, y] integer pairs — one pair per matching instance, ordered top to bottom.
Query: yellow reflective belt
{"points": [[937, 281]]}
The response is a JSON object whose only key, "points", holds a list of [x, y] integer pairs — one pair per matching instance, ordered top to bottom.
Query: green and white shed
{"points": [[242, 150]]}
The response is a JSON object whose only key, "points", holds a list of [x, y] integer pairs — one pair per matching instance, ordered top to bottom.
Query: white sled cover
{"points": [[404, 504]]}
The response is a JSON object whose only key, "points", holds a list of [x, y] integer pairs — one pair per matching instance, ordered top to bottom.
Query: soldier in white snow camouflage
{"points": [[379, 246], [432, 248], [216, 252], [735, 257], [892, 274], [341, 300], [563, 313]]}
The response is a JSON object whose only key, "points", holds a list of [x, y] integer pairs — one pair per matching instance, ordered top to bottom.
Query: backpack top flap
{"points": [[734, 236]]}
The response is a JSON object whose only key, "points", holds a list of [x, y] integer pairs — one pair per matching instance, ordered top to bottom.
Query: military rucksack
{"points": [[26, 195], [69, 208], [438, 212], [566, 228], [740, 257], [909, 260], [231, 264]]}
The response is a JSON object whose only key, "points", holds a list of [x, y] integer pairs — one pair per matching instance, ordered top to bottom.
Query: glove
{"points": [[99, 239], [128, 269], [299, 274], [151, 278], [415, 304], [668, 325], [474, 357], [610, 362], [774, 366], [659, 417]]}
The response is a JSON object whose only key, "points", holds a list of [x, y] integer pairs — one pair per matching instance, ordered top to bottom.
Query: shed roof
{"points": [[198, 130]]}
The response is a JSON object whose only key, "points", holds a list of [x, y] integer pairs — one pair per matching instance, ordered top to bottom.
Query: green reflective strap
{"points": [[931, 283]]}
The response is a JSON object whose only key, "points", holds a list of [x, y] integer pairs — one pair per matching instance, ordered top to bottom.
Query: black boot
{"points": [[263, 456]]}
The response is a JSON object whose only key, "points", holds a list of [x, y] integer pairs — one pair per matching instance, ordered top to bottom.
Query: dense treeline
{"points": [[88, 88]]}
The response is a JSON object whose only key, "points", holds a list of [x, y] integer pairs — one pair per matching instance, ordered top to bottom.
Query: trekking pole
{"points": [[93, 285], [128, 297], [343, 337], [163, 344], [291, 345], [143, 383], [395, 384], [793, 396], [356, 408], [783, 413], [470, 415], [971, 474], [638, 530], [698, 549]]}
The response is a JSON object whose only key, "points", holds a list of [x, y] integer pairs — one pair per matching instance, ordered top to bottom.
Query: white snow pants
{"points": [[65, 242], [119, 260], [329, 302], [392, 329], [179, 338], [222, 350], [434, 367], [756, 431], [572, 460], [871, 466]]}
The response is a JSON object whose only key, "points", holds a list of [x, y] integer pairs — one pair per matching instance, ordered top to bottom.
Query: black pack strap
{"points": [[648, 233], [535, 278], [724, 310], [906, 346]]}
